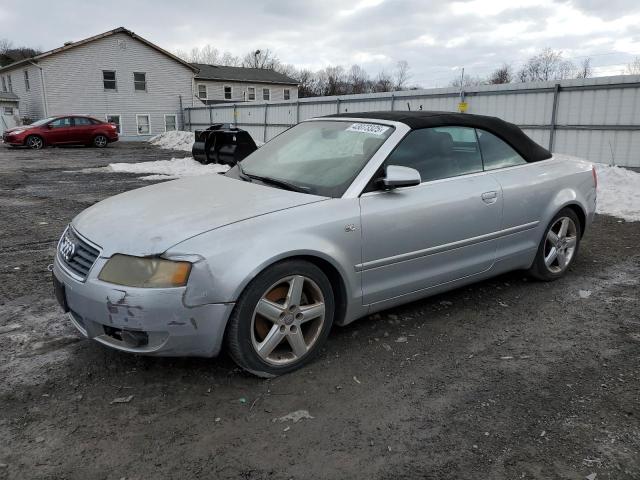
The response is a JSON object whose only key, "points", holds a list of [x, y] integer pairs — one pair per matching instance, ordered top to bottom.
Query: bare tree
{"points": [[10, 54], [208, 54], [261, 58], [546, 65], [633, 67], [585, 70], [402, 74], [501, 75], [358, 80], [383, 83]]}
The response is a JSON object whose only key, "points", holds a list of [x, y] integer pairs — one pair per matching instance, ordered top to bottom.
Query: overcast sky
{"points": [[437, 38]]}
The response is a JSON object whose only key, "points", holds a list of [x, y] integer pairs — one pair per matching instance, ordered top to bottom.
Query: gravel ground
{"points": [[505, 379]]}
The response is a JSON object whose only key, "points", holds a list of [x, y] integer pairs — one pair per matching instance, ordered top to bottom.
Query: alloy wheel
{"points": [[100, 141], [35, 142], [560, 245], [287, 320]]}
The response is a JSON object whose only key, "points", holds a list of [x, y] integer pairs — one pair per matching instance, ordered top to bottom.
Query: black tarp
{"points": [[510, 133]]}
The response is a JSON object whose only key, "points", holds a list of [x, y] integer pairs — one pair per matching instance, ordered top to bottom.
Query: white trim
{"points": [[206, 91], [255, 93], [224, 94], [283, 95], [266, 99], [175, 116], [138, 124], [120, 129]]}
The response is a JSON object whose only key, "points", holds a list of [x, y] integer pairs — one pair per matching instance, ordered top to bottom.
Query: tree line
{"points": [[10, 54], [332, 80]]}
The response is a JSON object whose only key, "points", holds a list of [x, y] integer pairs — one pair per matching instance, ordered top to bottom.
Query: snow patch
{"points": [[177, 140], [168, 169], [618, 190]]}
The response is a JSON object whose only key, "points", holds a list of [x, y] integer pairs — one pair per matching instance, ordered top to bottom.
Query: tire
{"points": [[100, 141], [34, 142], [558, 247], [294, 326]]}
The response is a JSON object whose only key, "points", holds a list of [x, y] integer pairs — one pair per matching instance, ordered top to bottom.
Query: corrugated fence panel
{"points": [[596, 118]]}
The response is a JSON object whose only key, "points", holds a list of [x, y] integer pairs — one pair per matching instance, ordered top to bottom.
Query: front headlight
{"points": [[145, 272]]}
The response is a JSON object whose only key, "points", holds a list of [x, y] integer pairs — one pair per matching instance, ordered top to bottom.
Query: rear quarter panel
{"points": [[534, 193]]}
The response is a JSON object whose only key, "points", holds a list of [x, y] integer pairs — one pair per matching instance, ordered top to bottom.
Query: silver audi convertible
{"points": [[334, 219]]}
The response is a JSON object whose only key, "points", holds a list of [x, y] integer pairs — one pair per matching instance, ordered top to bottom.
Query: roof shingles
{"points": [[241, 74]]}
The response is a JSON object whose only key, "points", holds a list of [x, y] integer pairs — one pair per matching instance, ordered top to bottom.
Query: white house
{"points": [[120, 77], [220, 84]]}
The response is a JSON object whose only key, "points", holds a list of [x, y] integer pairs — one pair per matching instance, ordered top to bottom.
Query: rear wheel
{"points": [[100, 141], [34, 142], [558, 247], [282, 319]]}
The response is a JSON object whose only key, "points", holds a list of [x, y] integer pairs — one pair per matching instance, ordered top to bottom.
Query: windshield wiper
{"points": [[247, 177]]}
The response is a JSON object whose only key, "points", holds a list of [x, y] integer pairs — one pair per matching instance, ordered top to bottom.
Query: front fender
{"points": [[236, 253]]}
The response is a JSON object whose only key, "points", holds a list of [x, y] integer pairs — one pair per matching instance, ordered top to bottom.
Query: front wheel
{"points": [[100, 141], [34, 142], [558, 247], [282, 319]]}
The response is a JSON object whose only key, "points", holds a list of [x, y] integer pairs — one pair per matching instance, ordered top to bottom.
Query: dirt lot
{"points": [[505, 379]]}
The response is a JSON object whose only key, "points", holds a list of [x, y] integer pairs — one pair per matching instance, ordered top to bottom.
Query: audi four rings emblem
{"points": [[67, 248]]}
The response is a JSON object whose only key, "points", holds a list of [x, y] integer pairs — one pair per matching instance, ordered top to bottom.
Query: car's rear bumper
{"points": [[116, 316]]}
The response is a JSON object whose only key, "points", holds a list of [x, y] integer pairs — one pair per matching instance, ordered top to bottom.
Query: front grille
{"points": [[76, 254]]}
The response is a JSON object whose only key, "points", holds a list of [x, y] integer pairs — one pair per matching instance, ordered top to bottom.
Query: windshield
{"points": [[38, 123], [318, 157]]}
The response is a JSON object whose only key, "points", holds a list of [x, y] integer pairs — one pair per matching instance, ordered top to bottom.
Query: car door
{"points": [[82, 130], [59, 131], [444, 229]]}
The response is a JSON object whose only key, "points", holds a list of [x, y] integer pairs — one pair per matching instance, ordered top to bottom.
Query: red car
{"points": [[64, 130]]}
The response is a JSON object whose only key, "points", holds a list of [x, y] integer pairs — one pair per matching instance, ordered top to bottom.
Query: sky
{"points": [[437, 38]]}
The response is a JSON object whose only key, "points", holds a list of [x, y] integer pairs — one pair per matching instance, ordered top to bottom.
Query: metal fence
{"points": [[596, 118]]}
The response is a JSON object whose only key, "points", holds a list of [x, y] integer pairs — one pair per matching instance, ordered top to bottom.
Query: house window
{"points": [[109, 79], [140, 81], [10, 83], [4, 84], [27, 85], [202, 92], [227, 92], [251, 93], [266, 94], [287, 94], [8, 110], [116, 120], [170, 123], [144, 124]]}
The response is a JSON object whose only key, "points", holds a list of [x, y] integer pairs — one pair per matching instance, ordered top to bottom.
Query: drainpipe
{"points": [[44, 88]]}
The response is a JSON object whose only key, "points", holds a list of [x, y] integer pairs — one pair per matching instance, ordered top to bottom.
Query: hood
{"points": [[149, 220]]}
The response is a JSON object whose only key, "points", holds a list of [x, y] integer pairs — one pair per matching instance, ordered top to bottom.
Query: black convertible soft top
{"points": [[510, 133]]}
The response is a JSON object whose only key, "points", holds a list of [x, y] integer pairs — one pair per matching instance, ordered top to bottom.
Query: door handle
{"points": [[489, 197]]}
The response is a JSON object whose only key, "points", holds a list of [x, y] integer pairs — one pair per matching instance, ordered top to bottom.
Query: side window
{"points": [[109, 80], [61, 122], [81, 122], [440, 152], [496, 153]]}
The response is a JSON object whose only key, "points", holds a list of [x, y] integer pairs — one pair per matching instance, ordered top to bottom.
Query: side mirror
{"points": [[49, 126], [397, 176]]}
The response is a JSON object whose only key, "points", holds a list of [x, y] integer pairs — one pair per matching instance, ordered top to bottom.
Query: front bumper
{"points": [[112, 315]]}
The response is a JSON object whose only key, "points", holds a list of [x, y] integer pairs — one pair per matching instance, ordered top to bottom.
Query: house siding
{"points": [[74, 83], [215, 90], [30, 103]]}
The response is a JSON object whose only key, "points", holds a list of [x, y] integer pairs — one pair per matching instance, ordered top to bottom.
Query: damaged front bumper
{"points": [[149, 321]]}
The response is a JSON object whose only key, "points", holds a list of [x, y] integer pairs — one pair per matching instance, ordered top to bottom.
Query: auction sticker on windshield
{"points": [[368, 128]]}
